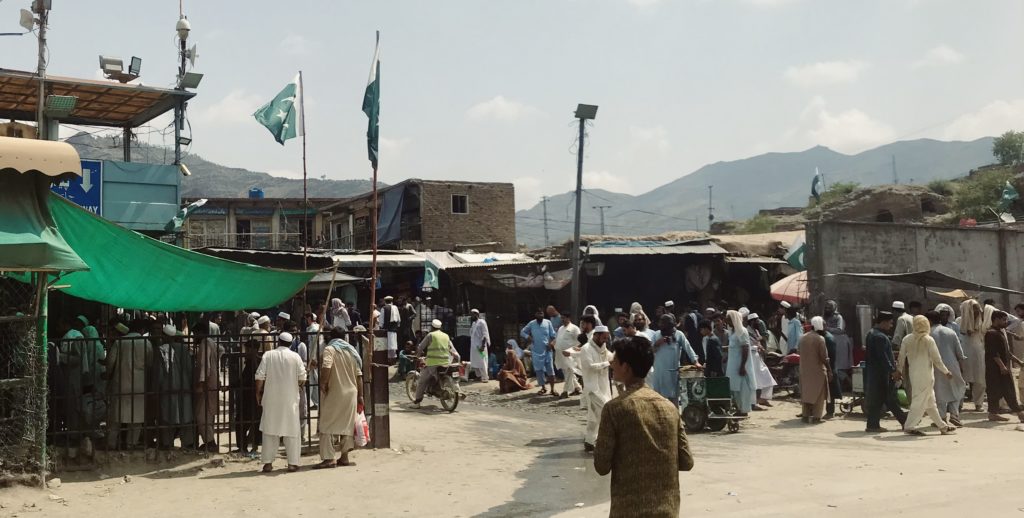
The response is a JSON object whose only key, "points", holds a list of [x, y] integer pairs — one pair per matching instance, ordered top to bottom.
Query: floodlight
{"points": [[28, 22], [183, 27], [111, 65], [135, 67], [190, 80], [58, 106], [586, 111], [184, 141], [184, 170]]}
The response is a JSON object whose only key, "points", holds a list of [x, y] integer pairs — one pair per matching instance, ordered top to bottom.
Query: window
{"points": [[460, 204]]}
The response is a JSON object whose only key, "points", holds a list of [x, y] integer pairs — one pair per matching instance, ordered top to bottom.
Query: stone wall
{"points": [[490, 218], [987, 256]]}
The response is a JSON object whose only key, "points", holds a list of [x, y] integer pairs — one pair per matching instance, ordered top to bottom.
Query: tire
{"points": [[411, 380], [448, 394], [695, 418], [717, 425], [734, 426]]}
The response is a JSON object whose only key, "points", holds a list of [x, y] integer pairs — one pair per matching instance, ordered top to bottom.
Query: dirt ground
{"points": [[521, 455]]}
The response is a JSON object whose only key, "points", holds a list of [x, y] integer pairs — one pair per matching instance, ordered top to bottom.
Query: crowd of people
{"points": [[147, 383]]}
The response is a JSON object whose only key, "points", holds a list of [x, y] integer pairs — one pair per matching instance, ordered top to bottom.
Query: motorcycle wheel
{"points": [[411, 380], [448, 394], [695, 418]]}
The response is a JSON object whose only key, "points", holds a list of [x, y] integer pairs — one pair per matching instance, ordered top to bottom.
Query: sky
{"points": [[484, 90]]}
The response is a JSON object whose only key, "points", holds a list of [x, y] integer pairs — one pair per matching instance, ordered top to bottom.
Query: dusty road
{"points": [[521, 455]]}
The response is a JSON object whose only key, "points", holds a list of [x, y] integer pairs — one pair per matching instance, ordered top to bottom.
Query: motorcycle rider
{"points": [[439, 351]]}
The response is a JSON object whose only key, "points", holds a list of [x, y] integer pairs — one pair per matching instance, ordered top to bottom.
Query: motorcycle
{"points": [[785, 368], [445, 386]]}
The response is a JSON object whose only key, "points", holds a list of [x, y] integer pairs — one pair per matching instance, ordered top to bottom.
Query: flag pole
{"points": [[305, 199]]}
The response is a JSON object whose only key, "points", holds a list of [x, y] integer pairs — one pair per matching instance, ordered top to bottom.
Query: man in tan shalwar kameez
{"points": [[814, 372], [341, 392]]}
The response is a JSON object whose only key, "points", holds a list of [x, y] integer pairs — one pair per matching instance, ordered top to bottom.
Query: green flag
{"points": [[371, 105], [282, 116], [1009, 195], [174, 225], [795, 256], [429, 275]]}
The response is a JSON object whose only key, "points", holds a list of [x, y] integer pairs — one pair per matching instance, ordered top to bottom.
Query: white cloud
{"points": [[644, 3], [770, 3], [296, 45], [940, 56], [825, 73], [236, 107], [501, 109], [992, 119], [847, 131], [645, 138], [393, 147], [607, 181], [529, 189]]}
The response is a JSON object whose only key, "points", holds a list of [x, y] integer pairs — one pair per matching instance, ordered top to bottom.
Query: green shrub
{"points": [[980, 191], [757, 225]]}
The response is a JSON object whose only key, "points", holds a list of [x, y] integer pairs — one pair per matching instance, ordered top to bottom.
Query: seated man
{"points": [[512, 376]]}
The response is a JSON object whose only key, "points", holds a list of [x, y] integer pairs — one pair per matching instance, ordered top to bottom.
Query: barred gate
{"points": [[23, 382]]}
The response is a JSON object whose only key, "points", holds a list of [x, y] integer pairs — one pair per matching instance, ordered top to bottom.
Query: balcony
{"points": [[250, 241]]}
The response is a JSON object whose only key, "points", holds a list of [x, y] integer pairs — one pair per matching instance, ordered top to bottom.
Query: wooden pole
{"points": [[380, 422]]}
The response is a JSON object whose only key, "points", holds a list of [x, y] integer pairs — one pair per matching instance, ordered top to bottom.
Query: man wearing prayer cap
{"points": [[391, 320], [262, 334], [479, 345], [439, 351], [594, 358], [126, 361], [172, 370], [815, 372], [879, 374], [279, 377]]}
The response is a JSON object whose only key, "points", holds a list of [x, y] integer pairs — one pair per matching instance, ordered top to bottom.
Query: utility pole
{"points": [[41, 9], [584, 112], [895, 177], [601, 208], [711, 208], [547, 239]]}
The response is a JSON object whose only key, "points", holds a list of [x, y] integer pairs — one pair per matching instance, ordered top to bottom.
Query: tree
{"points": [[1008, 148]]}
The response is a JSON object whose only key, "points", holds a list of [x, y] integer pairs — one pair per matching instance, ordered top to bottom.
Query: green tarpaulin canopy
{"points": [[29, 241], [129, 270]]}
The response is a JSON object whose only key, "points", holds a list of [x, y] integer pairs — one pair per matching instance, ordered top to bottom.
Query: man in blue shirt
{"points": [[541, 336], [879, 375]]}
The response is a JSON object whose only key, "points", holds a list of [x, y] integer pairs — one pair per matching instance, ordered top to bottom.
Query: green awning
{"points": [[29, 241], [130, 270]]}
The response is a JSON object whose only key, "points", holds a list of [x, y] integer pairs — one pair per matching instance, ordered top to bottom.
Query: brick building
{"points": [[427, 215], [253, 223]]}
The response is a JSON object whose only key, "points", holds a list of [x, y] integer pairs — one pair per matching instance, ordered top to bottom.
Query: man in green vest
{"points": [[439, 351]]}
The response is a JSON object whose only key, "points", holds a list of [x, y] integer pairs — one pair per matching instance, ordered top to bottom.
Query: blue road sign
{"points": [[86, 191]]}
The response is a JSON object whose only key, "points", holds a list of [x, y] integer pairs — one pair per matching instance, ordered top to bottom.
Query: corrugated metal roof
{"points": [[701, 249], [757, 259], [383, 260], [498, 264]]}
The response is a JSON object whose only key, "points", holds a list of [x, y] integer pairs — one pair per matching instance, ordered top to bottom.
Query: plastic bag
{"points": [[362, 431]]}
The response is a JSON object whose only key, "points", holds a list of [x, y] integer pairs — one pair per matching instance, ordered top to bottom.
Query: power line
{"points": [[601, 208]]}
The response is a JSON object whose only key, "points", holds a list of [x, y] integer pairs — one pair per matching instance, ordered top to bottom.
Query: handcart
{"points": [[856, 397], [706, 402]]}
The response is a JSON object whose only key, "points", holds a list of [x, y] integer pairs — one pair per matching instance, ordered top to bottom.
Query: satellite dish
{"points": [[27, 21], [192, 54]]}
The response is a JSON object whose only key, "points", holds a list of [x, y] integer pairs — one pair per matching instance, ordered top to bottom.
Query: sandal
{"points": [[543, 391], [949, 430], [915, 433], [325, 464], [345, 464]]}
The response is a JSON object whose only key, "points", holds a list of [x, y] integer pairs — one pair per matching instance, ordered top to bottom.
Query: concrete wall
{"points": [[491, 215], [983, 255]]}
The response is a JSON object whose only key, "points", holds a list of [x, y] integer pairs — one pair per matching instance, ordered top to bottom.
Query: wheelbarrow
{"points": [[706, 402]]}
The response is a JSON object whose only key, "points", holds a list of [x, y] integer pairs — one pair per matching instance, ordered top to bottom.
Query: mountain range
{"points": [[211, 180], [741, 188]]}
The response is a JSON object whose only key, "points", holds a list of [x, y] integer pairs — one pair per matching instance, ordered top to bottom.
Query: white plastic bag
{"points": [[362, 432]]}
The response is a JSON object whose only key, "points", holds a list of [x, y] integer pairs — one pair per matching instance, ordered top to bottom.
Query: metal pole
{"points": [[41, 129], [126, 146], [305, 200], [711, 208], [601, 209], [547, 240], [42, 298], [575, 305]]}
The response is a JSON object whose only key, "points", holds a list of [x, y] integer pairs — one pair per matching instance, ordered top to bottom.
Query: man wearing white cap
{"points": [[391, 319], [263, 336], [566, 338], [479, 345], [439, 351], [594, 360], [126, 363], [172, 366], [814, 372], [278, 379], [207, 382]]}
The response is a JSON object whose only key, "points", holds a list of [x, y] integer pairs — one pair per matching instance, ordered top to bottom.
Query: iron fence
{"points": [[22, 381], [157, 392]]}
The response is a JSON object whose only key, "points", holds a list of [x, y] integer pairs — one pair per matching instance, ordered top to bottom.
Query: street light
{"points": [[584, 112]]}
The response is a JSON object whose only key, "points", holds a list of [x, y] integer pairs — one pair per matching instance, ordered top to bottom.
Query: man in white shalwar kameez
{"points": [[566, 338], [479, 345], [919, 356], [594, 361], [126, 368], [278, 379]]}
